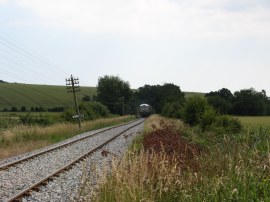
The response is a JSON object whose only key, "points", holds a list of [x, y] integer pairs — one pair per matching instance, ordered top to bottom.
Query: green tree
{"points": [[114, 93], [225, 93], [158, 96], [86, 98], [221, 100], [250, 102], [220, 104], [14, 109], [23, 109], [194, 110]]}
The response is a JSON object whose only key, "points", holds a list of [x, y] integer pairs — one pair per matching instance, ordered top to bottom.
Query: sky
{"points": [[199, 45]]}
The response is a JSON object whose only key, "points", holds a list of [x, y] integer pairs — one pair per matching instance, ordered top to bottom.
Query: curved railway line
{"points": [[18, 178]]}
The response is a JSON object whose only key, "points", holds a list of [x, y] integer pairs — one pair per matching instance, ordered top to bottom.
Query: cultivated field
{"points": [[189, 94], [18, 95], [255, 122]]}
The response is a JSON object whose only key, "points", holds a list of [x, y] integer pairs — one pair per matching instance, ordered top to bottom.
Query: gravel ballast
{"points": [[66, 186]]}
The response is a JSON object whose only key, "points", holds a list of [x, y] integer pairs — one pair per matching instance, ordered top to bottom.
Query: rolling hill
{"points": [[28, 95]]}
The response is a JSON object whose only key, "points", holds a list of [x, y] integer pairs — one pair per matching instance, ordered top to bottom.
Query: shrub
{"points": [[86, 98], [14, 109], [23, 109], [42, 109], [56, 109], [194, 109], [93, 110], [172, 110], [67, 115], [208, 118], [26, 119], [43, 120], [228, 124]]}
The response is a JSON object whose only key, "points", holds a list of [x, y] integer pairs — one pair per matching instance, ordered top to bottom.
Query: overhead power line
{"points": [[30, 53], [21, 57]]}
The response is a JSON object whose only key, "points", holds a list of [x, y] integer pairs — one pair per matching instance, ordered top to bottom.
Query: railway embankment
{"points": [[175, 162]]}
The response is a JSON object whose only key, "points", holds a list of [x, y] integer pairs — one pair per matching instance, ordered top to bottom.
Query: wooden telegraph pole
{"points": [[73, 87]]}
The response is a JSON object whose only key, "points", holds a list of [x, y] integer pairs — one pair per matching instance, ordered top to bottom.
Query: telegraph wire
{"points": [[15, 55], [25, 55], [10, 60], [41, 60], [26, 62], [22, 63], [12, 74]]}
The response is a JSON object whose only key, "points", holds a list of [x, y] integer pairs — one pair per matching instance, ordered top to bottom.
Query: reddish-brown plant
{"points": [[167, 140]]}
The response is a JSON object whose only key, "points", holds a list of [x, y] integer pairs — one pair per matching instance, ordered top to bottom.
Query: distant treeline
{"points": [[168, 99], [243, 102], [34, 109]]}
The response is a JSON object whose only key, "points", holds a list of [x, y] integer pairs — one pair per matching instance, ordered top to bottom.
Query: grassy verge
{"points": [[22, 139], [211, 167]]}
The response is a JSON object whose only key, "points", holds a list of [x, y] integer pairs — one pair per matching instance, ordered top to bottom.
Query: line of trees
{"points": [[116, 94], [168, 99], [243, 102], [34, 109]]}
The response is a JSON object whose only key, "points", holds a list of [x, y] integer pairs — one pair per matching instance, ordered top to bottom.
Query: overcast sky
{"points": [[199, 45]]}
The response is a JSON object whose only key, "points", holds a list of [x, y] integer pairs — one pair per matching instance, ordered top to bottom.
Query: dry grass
{"points": [[155, 120], [21, 139], [21, 148], [135, 179]]}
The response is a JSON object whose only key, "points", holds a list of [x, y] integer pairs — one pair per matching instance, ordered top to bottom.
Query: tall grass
{"points": [[22, 138], [231, 167]]}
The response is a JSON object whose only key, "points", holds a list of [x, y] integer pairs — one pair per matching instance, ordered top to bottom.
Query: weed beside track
{"points": [[166, 139]]}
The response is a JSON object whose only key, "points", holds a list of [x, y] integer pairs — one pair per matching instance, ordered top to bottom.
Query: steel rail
{"points": [[13, 163], [64, 168]]}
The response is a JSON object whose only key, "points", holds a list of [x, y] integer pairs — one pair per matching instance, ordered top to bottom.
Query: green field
{"points": [[189, 94], [47, 96], [255, 122]]}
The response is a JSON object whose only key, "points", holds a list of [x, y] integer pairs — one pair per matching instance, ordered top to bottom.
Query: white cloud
{"points": [[157, 18]]}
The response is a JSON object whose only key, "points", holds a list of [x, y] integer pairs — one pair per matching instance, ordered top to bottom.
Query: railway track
{"points": [[18, 178]]}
